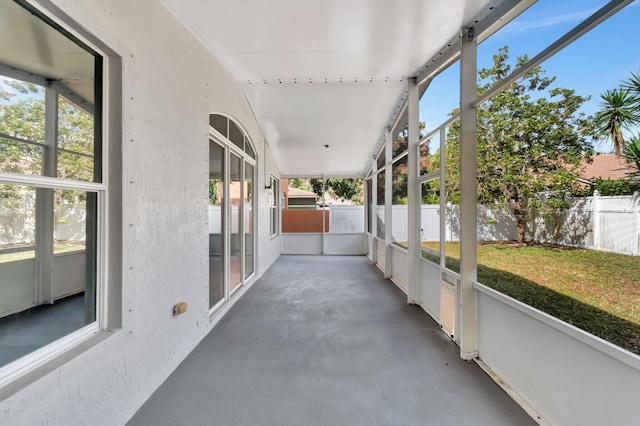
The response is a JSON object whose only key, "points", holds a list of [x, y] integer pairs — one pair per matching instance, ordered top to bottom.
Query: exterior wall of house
{"points": [[170, 86]]}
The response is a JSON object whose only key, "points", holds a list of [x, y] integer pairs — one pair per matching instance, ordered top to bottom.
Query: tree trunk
{"points": [[521, 220]]}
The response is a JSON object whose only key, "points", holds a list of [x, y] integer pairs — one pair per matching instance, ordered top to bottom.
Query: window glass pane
{"points": [[21, 109], [21, 122], [220, 123], [75, 128], [235, 135], [248, 149], [19, 157], [381, 160], [75, 166], [235, 198], [369, 205], [273, 206], [380, 207], [399, 212], [216, 217], [17, 219], [248, 220], [430, 221], [48, 237], [37, 309]]}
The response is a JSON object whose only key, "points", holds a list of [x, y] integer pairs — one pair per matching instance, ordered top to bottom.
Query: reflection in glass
{"points": [[21, 126], [235, 135], [75, 142], [20, 157], [235, 197], [369, 204], [380, 208], [216, 217], [248, 219], [54, 231]]}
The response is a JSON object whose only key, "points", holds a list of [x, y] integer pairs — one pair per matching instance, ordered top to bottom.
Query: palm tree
{"points": [[633, 84], [618, 111], [631, 152]]}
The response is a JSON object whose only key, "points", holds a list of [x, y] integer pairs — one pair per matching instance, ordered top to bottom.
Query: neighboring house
{"points": [[606, 166], [299, 199]]}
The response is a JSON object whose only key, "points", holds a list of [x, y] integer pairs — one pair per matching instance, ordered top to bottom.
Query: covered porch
{"points": [[326, 340]]}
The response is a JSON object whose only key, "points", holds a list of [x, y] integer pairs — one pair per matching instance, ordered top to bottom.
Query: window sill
{"points": [[38, 364]]}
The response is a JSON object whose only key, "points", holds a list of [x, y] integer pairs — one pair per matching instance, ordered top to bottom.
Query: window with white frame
{"points": [[52, 192], [274, 211]]}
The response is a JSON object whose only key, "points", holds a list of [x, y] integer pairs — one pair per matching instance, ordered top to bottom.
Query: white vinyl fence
{"points": [[18, 221], [600, 223]]}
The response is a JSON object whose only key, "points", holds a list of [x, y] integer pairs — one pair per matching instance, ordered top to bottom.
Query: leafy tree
{"points": [[22, 116], [531, 139], [300, 184], [346, 189], [213, 192]]}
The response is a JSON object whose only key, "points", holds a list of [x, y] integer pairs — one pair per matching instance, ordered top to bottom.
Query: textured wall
{"points": [[170, 85]]}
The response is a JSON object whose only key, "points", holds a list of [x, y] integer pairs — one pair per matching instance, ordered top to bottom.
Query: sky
{"points": [[597, 61]]}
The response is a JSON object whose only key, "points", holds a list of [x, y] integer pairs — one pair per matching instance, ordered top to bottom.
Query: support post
{"points": [[413, 191], [388, 197], [373, 215], [595, 217], [467, 295]]}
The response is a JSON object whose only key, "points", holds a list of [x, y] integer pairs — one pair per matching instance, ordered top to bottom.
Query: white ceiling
{"points": [[327, 72]]}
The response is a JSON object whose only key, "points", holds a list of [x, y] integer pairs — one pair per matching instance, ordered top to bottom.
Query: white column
{"points": [[413, 192], [636, 194], [388, 196], [468, 199], [373, 215], [595, 217]]}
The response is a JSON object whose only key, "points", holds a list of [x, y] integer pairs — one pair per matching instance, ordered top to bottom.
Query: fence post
{"points": [[636, 200], [596, 219]]}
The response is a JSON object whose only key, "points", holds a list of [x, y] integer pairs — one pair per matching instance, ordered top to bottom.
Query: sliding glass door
{"points": [[231, 210]]}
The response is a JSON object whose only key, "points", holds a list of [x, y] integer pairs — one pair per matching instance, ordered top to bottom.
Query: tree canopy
{"points": [[531, 139], [347, 188]]}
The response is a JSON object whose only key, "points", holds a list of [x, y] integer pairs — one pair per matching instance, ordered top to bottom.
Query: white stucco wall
{"points": [[170, 85]]}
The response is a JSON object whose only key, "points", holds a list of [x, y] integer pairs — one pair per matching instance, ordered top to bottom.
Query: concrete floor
{"points": [[325, 340]]}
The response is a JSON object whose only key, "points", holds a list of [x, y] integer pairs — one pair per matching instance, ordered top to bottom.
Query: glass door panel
{"points": [[235, 197], [248, 220], [216, 223]]}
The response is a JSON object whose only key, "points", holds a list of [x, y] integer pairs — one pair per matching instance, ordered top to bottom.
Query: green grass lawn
{"points": [[596, 291]]}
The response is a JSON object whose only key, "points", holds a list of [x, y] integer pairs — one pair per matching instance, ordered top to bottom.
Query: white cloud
{"points": [[548, 21]]}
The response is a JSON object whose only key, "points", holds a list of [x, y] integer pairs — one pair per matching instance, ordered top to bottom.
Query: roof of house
{"points": [[606, 166], [300, 193]]}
